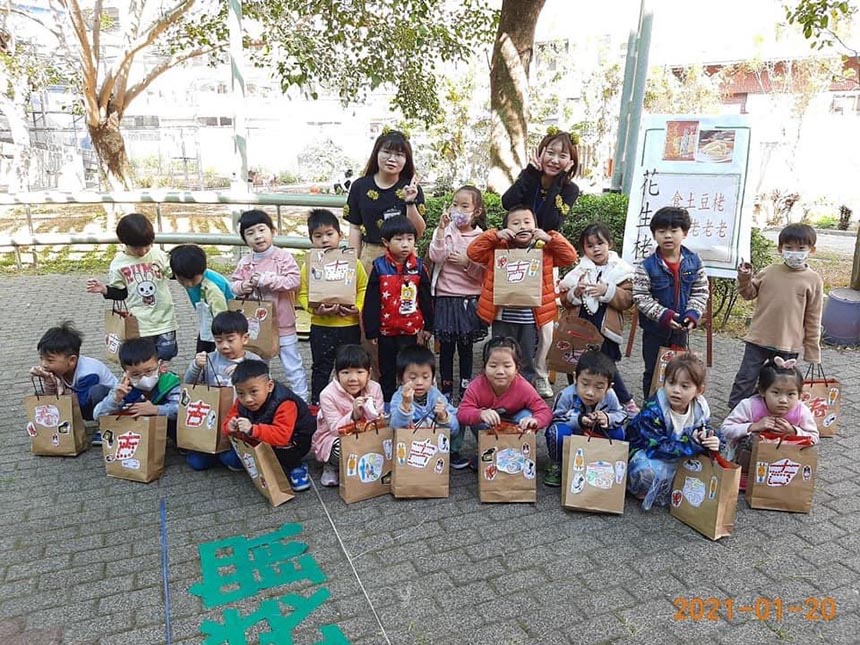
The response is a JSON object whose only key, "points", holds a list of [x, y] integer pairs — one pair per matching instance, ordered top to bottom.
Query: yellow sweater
{"points": [[335, 321]]}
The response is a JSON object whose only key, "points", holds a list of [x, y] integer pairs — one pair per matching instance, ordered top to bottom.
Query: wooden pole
{"points": [[710, 314]]}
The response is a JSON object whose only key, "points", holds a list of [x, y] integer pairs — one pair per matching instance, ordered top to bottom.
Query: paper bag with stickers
{"points": [[331, 277], [518, 277], [262, 324], [120, 326], [571, 336], [664, 355], [823, 396], [202, 408], [54, 423], [134, 448], [365, 460], [421, 462], [507, 465], [264, 469], [782, 473], [594, 474], [705, 494]]}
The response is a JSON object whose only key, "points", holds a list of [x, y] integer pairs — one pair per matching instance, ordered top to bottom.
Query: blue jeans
{"points": [[204, 461]]}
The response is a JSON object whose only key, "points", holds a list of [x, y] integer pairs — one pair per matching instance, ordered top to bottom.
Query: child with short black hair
{"points": [[272, 272], [139, 275], [670, 288], [207, 290], [398, 305], [787, 316], [332, 326], [530, 327], [230, 331], [62, 366], [351, 397], [419, 401], [589, 405], [775, 408], [268, 411], [674, 423]]}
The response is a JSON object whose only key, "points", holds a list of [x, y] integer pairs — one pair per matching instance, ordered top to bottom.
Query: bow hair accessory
{"points": [[783, 363]]}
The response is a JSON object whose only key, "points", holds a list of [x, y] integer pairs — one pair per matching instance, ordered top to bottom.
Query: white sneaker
{"points": [[544, 389], [330, 476]]}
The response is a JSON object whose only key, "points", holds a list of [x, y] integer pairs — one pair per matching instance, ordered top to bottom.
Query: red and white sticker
{"points": [[31, 429], [126, 445], [780, 473]]}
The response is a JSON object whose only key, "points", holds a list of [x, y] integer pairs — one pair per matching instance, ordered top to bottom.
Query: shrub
{"points": [[844, 218], [828, 221], [725, 289]]}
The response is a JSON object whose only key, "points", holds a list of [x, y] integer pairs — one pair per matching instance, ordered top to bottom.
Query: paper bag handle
{"points": [[119, 308], [815, 371], [39, 387]]}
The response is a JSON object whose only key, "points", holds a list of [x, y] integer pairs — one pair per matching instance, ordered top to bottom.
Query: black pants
{"points": [[527, 337], [325, 341], [651, 343], [389, 346], [446, 363], [292, 455]]}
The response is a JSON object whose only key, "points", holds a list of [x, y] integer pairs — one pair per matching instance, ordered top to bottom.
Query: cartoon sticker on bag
{"points": [[336, 271], [516, 271], [254, 321], [112, 343], [196, 414], [47, 416], [31, 429], [126, 445], [444, 445], [386, 446], [421, 453], [510, 461], [250, 465], [370, 467], [529, 469], [620, 471], [781, 472], [600, 474], [577, 483], [694, 491]]}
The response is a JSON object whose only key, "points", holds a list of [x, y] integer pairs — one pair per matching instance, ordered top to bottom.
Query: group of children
{"points": [[400, 303]]}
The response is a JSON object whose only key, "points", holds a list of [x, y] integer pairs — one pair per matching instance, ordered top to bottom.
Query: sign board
{"points": [[699, 163]]}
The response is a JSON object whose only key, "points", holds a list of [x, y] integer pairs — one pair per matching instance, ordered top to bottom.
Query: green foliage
{"points": [[820, 20], [827, 221]]}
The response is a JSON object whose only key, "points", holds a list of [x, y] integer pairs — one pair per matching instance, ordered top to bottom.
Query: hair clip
{"points": [[784, 363]]}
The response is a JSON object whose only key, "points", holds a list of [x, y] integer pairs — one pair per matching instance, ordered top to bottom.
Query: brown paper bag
{"points": [[331, 277], [518, 277], [262, 324], [120, 326], [571, 336], [664, 355], [823, 396], [202, 409], [55, 424], [134, 448], [365, 460], [422, 461], [506, 465], [264, 469], [782, 473], [594, 474], [705, 494]]}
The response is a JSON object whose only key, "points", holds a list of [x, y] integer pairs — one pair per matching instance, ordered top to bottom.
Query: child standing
{"points": [[545, 184], [388, 187], [274, 273], [139, 275], [456, 285], [600, 288], [670, 288], [207, 290], [398, 305], [787, 315], [524, 324], [332, 326], [62, 366], [502, 392], [350, 398], [418, 399], [589, 405], [776, 408], [268, 411], [674, 423]]}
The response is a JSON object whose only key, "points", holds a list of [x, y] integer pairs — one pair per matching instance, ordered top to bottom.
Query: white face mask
{"points": [[459, 218], [795, 259], [145, 382]]}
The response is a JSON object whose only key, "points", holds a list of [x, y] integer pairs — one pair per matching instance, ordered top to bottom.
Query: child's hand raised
{"points": [[536, 160], [410, 190], [444, 220], [505, 234], [541, 235], [744, 268], [96, 286], [200, 360], [122, 389], [407, 392], [358, 407], [440, 411], [490, 417], [529, 423]]}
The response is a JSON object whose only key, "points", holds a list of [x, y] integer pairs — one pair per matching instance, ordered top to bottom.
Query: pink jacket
{"points": [[280, 279], [449, 279], [520, 396], [336, 412]]}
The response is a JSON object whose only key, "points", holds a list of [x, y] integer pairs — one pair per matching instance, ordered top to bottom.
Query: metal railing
{"points": [[31, 239]]}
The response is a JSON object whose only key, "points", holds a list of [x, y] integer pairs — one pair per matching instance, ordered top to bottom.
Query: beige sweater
{"points": [[788, 313]]}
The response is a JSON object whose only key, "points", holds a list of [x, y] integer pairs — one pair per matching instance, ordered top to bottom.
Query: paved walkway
{"points": [[81, 558]]}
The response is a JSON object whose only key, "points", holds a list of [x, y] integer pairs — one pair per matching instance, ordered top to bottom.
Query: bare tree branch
{"points": [[23, 14], [97, 30], [170, 63], [88, 68]]}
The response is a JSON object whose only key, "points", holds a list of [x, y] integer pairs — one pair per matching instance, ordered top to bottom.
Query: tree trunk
{"points": [[509, 82], [110, 149]]}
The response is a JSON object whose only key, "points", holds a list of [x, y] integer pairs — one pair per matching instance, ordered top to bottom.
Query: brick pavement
{"points": [[80, 558]]}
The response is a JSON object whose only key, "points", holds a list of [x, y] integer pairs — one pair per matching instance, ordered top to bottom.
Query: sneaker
{"points": [[464, 384], [544, 389], [631, 409], [97, 438], [459, 462], [473, 463], [234, 468], [330, 476], [552, 476], [299, 479]]}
